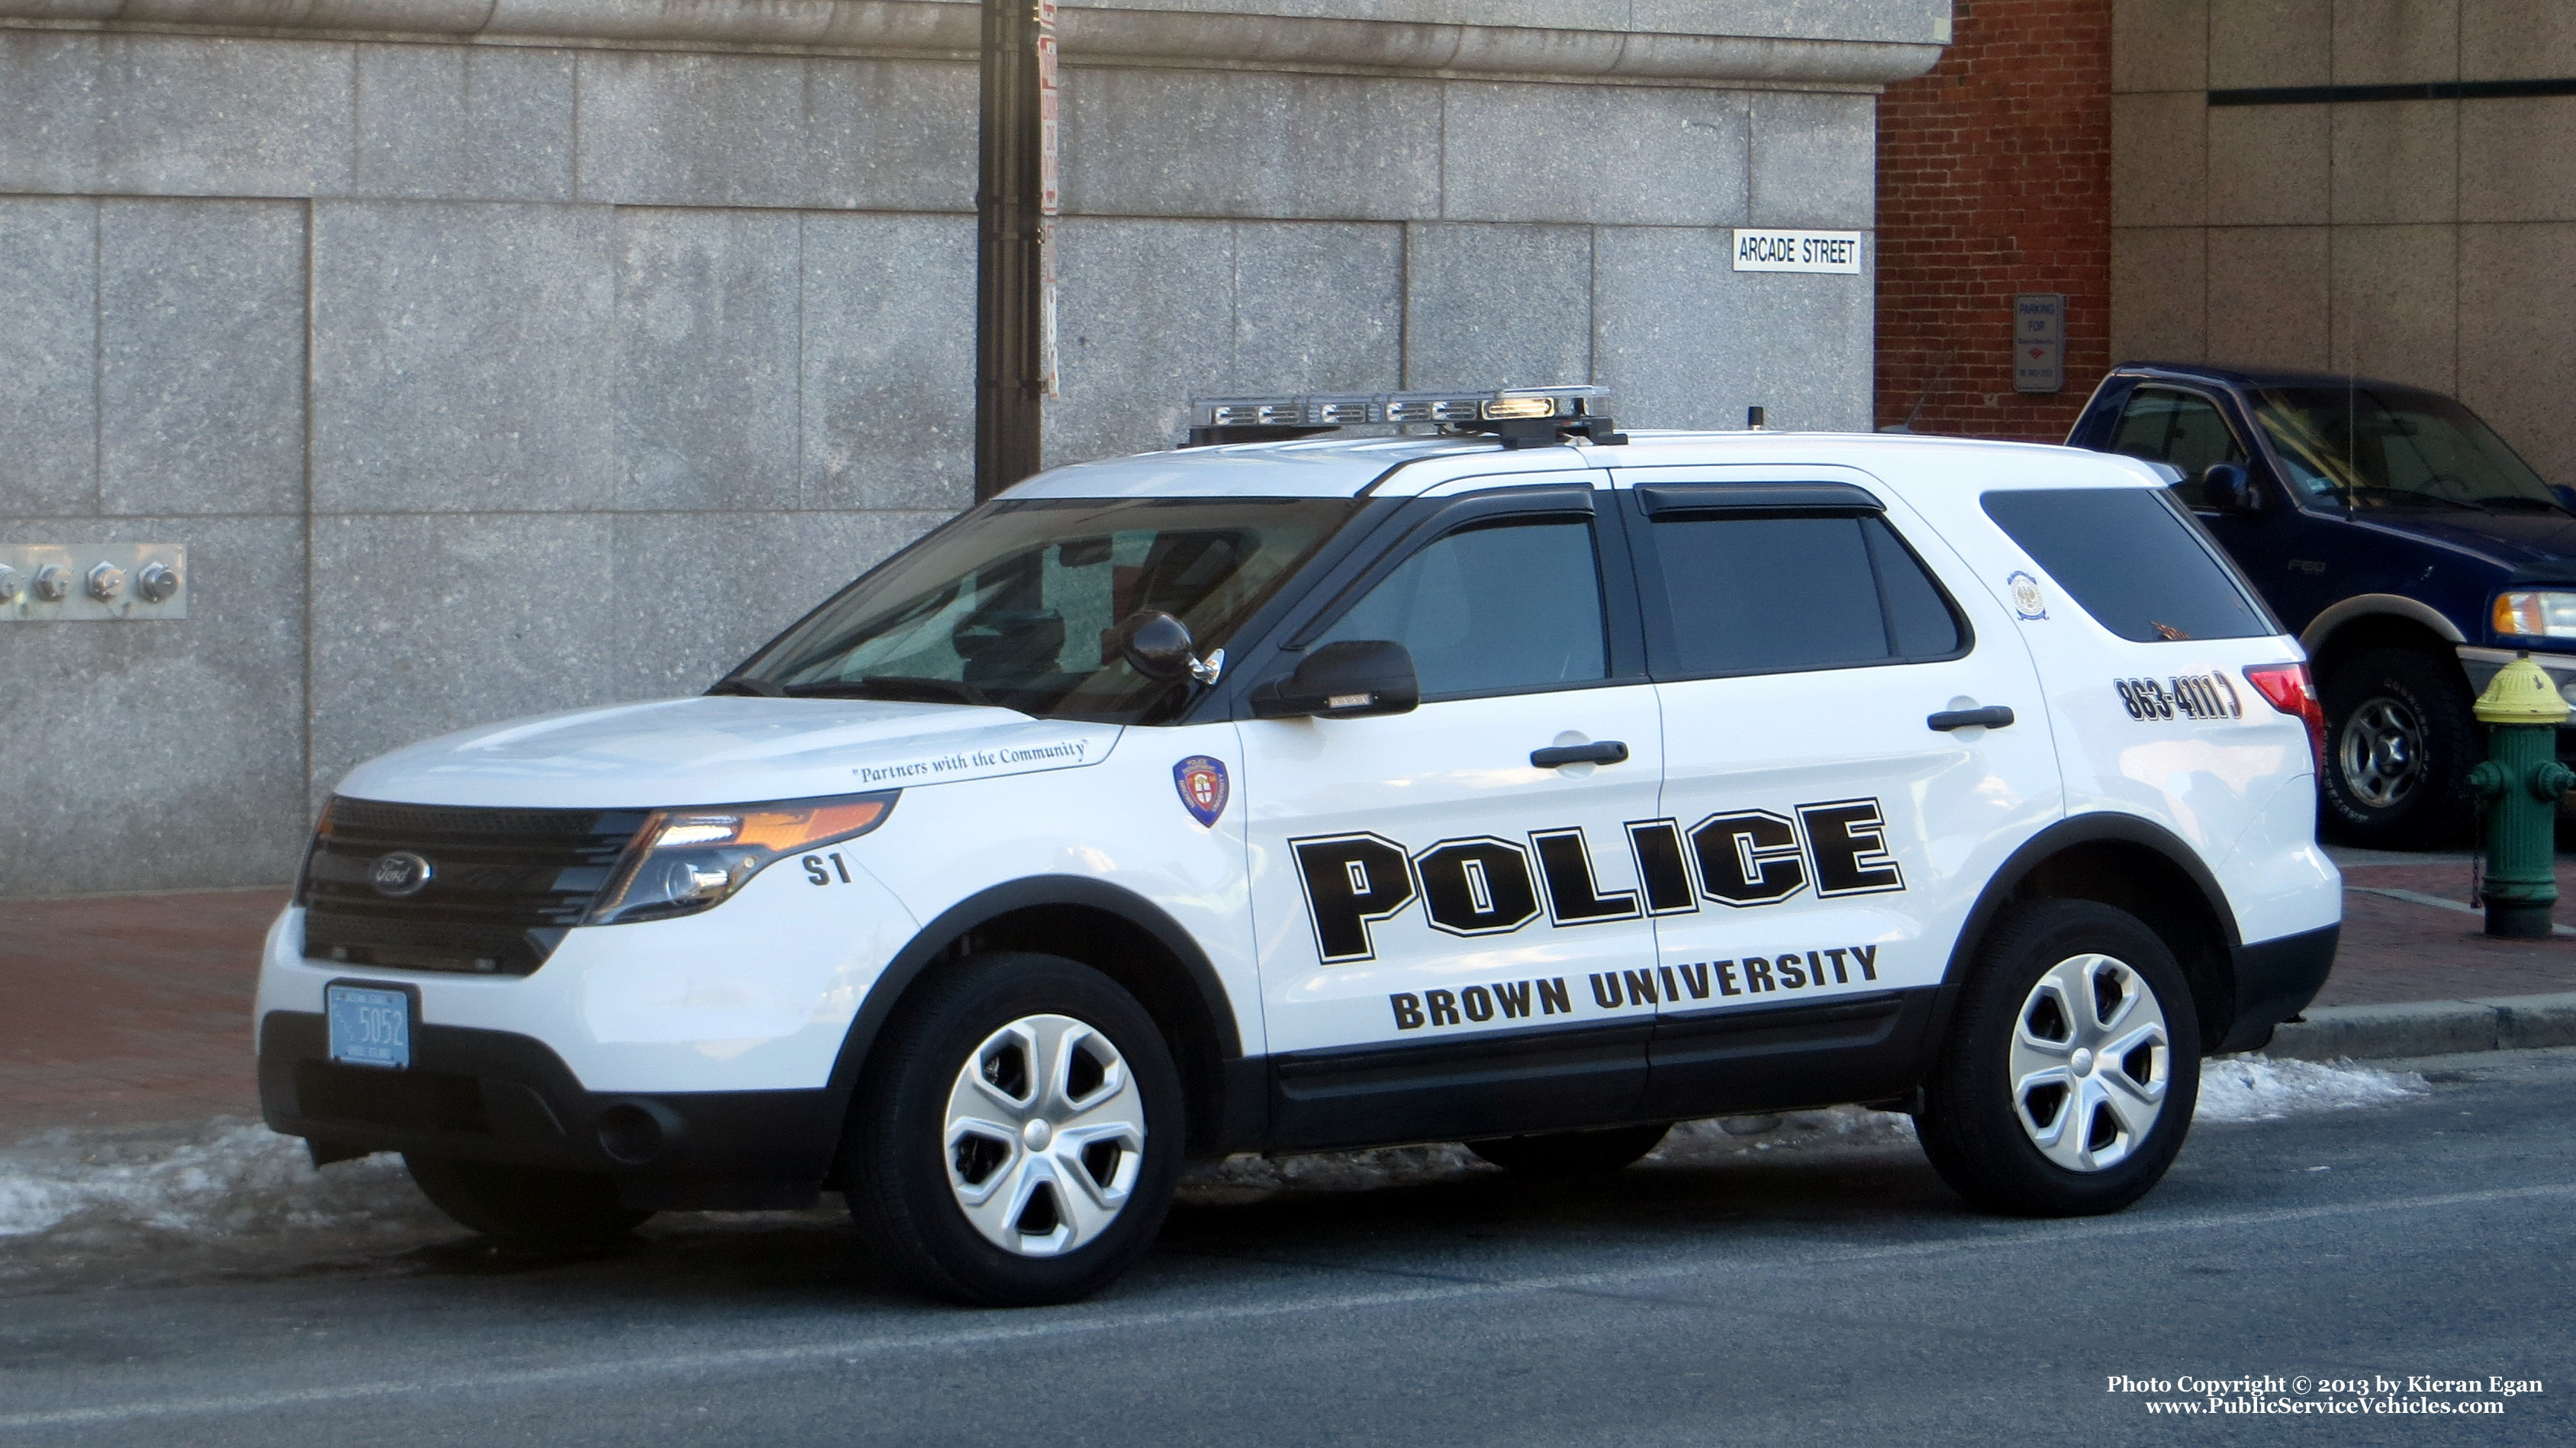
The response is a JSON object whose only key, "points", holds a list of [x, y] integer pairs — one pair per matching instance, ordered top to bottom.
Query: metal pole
{"points": [[1009, 264]]}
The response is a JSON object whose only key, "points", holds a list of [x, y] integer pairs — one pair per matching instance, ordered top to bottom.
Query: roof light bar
{"points": [[1519, 416]]}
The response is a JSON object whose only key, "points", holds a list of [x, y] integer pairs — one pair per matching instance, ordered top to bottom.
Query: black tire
{"points": [[2419, 797], [1972, 1125], [1572, 1153], [898, 1159], [530, 1208]]}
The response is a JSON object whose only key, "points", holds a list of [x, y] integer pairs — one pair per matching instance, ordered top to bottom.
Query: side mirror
{"points": [[2226, 487], [1159, 646], [1346, 680]]}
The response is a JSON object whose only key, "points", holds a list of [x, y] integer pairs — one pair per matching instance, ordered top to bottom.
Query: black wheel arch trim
{"points": [[2081, 830], [2003, 885], [937, 938]]}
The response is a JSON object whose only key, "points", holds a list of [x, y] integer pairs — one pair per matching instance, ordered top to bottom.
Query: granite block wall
{"points": [[545, 356]]}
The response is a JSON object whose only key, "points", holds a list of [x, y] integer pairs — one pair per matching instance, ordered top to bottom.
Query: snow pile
{"points": [[2257, 1088], [1699, 1141], [1244, 1178], [230, 1181], [245, 1186]]}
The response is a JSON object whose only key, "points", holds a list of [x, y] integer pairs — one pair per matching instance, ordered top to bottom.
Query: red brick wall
{"points": [[1994, 177]]}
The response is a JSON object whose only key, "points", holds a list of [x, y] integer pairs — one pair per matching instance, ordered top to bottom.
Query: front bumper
{"points": [[2482, 664], [486, 1095]]}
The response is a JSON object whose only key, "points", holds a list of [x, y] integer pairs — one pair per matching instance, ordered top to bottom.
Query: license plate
{"points": [[369, 1026]]}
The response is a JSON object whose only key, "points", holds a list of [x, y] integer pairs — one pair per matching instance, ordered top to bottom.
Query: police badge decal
{"points": [[1201, 781]]}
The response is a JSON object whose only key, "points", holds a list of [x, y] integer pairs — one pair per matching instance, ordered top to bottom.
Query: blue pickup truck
{"points": [[2412, 551]]}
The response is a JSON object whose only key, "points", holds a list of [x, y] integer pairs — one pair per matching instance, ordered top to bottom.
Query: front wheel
{"points": [[2401, 739], [2072, 1067], [1018, 1135]]}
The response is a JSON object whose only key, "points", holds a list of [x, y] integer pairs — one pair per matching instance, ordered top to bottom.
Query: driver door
{"points": [[1447, 925]]}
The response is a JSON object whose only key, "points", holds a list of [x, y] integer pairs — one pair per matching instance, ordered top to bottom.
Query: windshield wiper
{"points": [[2404, 495], [2519, 503], [745, 684], [893, 686]]}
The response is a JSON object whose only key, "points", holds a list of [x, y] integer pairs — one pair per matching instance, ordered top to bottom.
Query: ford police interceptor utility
{"points": [[1526, 784]]}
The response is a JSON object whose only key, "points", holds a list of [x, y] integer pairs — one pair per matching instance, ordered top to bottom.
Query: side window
{"points": [[2180, 428], [1753, 594], [1492, 610]]}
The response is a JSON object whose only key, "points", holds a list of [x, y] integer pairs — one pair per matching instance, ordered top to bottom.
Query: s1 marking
{"points": [[2188, 696], [815, 872]]}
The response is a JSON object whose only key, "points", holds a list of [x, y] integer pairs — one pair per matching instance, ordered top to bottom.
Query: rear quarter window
{"points": [[2133, 560]]}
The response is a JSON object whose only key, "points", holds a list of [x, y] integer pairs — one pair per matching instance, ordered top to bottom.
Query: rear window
{"points": [[2133, 560]]}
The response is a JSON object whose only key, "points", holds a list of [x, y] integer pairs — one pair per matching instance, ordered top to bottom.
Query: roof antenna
{"points": [[1938, 372], [1753, 418]]}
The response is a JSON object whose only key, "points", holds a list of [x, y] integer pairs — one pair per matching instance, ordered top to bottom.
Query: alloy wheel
{"points": [[2381, 752], [2091, 1058], [1045, 1134]]}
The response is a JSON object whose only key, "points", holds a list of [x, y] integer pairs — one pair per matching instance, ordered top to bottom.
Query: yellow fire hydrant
{"points": [[2520, 783]]}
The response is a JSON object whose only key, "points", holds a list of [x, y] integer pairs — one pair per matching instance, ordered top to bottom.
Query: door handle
{"points": [[1993, 716], [1608, 751]]}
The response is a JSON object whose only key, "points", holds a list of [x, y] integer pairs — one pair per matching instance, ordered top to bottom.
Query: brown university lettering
{"points": [[1640, 989]]}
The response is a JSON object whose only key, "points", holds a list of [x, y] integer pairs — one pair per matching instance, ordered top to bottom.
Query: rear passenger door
{"points": [[1827, 817]]}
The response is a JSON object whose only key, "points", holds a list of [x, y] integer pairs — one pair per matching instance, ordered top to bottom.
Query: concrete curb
{"points": [[2428, 1028]]}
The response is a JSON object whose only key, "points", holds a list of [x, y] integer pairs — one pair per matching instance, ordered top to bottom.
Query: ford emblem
{"points": [[400, 875]]}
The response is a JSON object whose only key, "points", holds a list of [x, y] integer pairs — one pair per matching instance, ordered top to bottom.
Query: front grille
{"points": [[504, 885]]}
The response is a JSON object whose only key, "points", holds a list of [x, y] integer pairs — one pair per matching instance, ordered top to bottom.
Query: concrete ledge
{"points": [[1093, 35], [2428, 1028]]}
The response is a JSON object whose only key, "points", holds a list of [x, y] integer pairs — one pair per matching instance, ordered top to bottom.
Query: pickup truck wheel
{"points": [[2400, 742], [2072, 1067], [1018, 1133], [1572, 1153], [527, 1207]]}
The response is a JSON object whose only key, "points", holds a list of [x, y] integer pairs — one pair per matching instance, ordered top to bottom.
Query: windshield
{"points": [[2387, 448], [1015, 604]]}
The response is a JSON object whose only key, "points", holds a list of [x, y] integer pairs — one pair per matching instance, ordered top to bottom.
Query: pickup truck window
{"points": [[2185, 429], [2388, 448], [2132, 559]]}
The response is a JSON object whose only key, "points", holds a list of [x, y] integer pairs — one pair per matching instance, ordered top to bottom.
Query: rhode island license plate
{"points": [[370, 1026]]}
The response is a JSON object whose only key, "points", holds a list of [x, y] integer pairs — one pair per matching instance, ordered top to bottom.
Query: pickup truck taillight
{"points": [[2290, 690]]}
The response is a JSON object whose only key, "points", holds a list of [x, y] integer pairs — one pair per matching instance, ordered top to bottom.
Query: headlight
{"points": [[2536, 615], [687, 860]]}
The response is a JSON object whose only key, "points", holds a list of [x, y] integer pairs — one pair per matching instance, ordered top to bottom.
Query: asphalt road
{"points": [[1830, 1295]]}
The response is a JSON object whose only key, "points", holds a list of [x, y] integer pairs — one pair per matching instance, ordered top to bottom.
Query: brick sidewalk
{"points": [[136, 1009], [125, 1010]]}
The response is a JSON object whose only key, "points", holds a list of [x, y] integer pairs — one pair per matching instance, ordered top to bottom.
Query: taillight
{"points": [[2290, 690]]}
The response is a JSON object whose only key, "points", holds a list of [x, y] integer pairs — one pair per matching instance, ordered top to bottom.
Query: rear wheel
{"points": [[2400, 742], [2072, 1067], [1019, 1133], [1571, 1153], [527, 1207]]}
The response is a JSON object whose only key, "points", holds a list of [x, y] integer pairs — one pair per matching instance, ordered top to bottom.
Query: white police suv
{"points": [[1526, 784]]}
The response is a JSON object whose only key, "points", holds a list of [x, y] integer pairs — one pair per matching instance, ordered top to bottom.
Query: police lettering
{"points": [[1484, 885]]}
